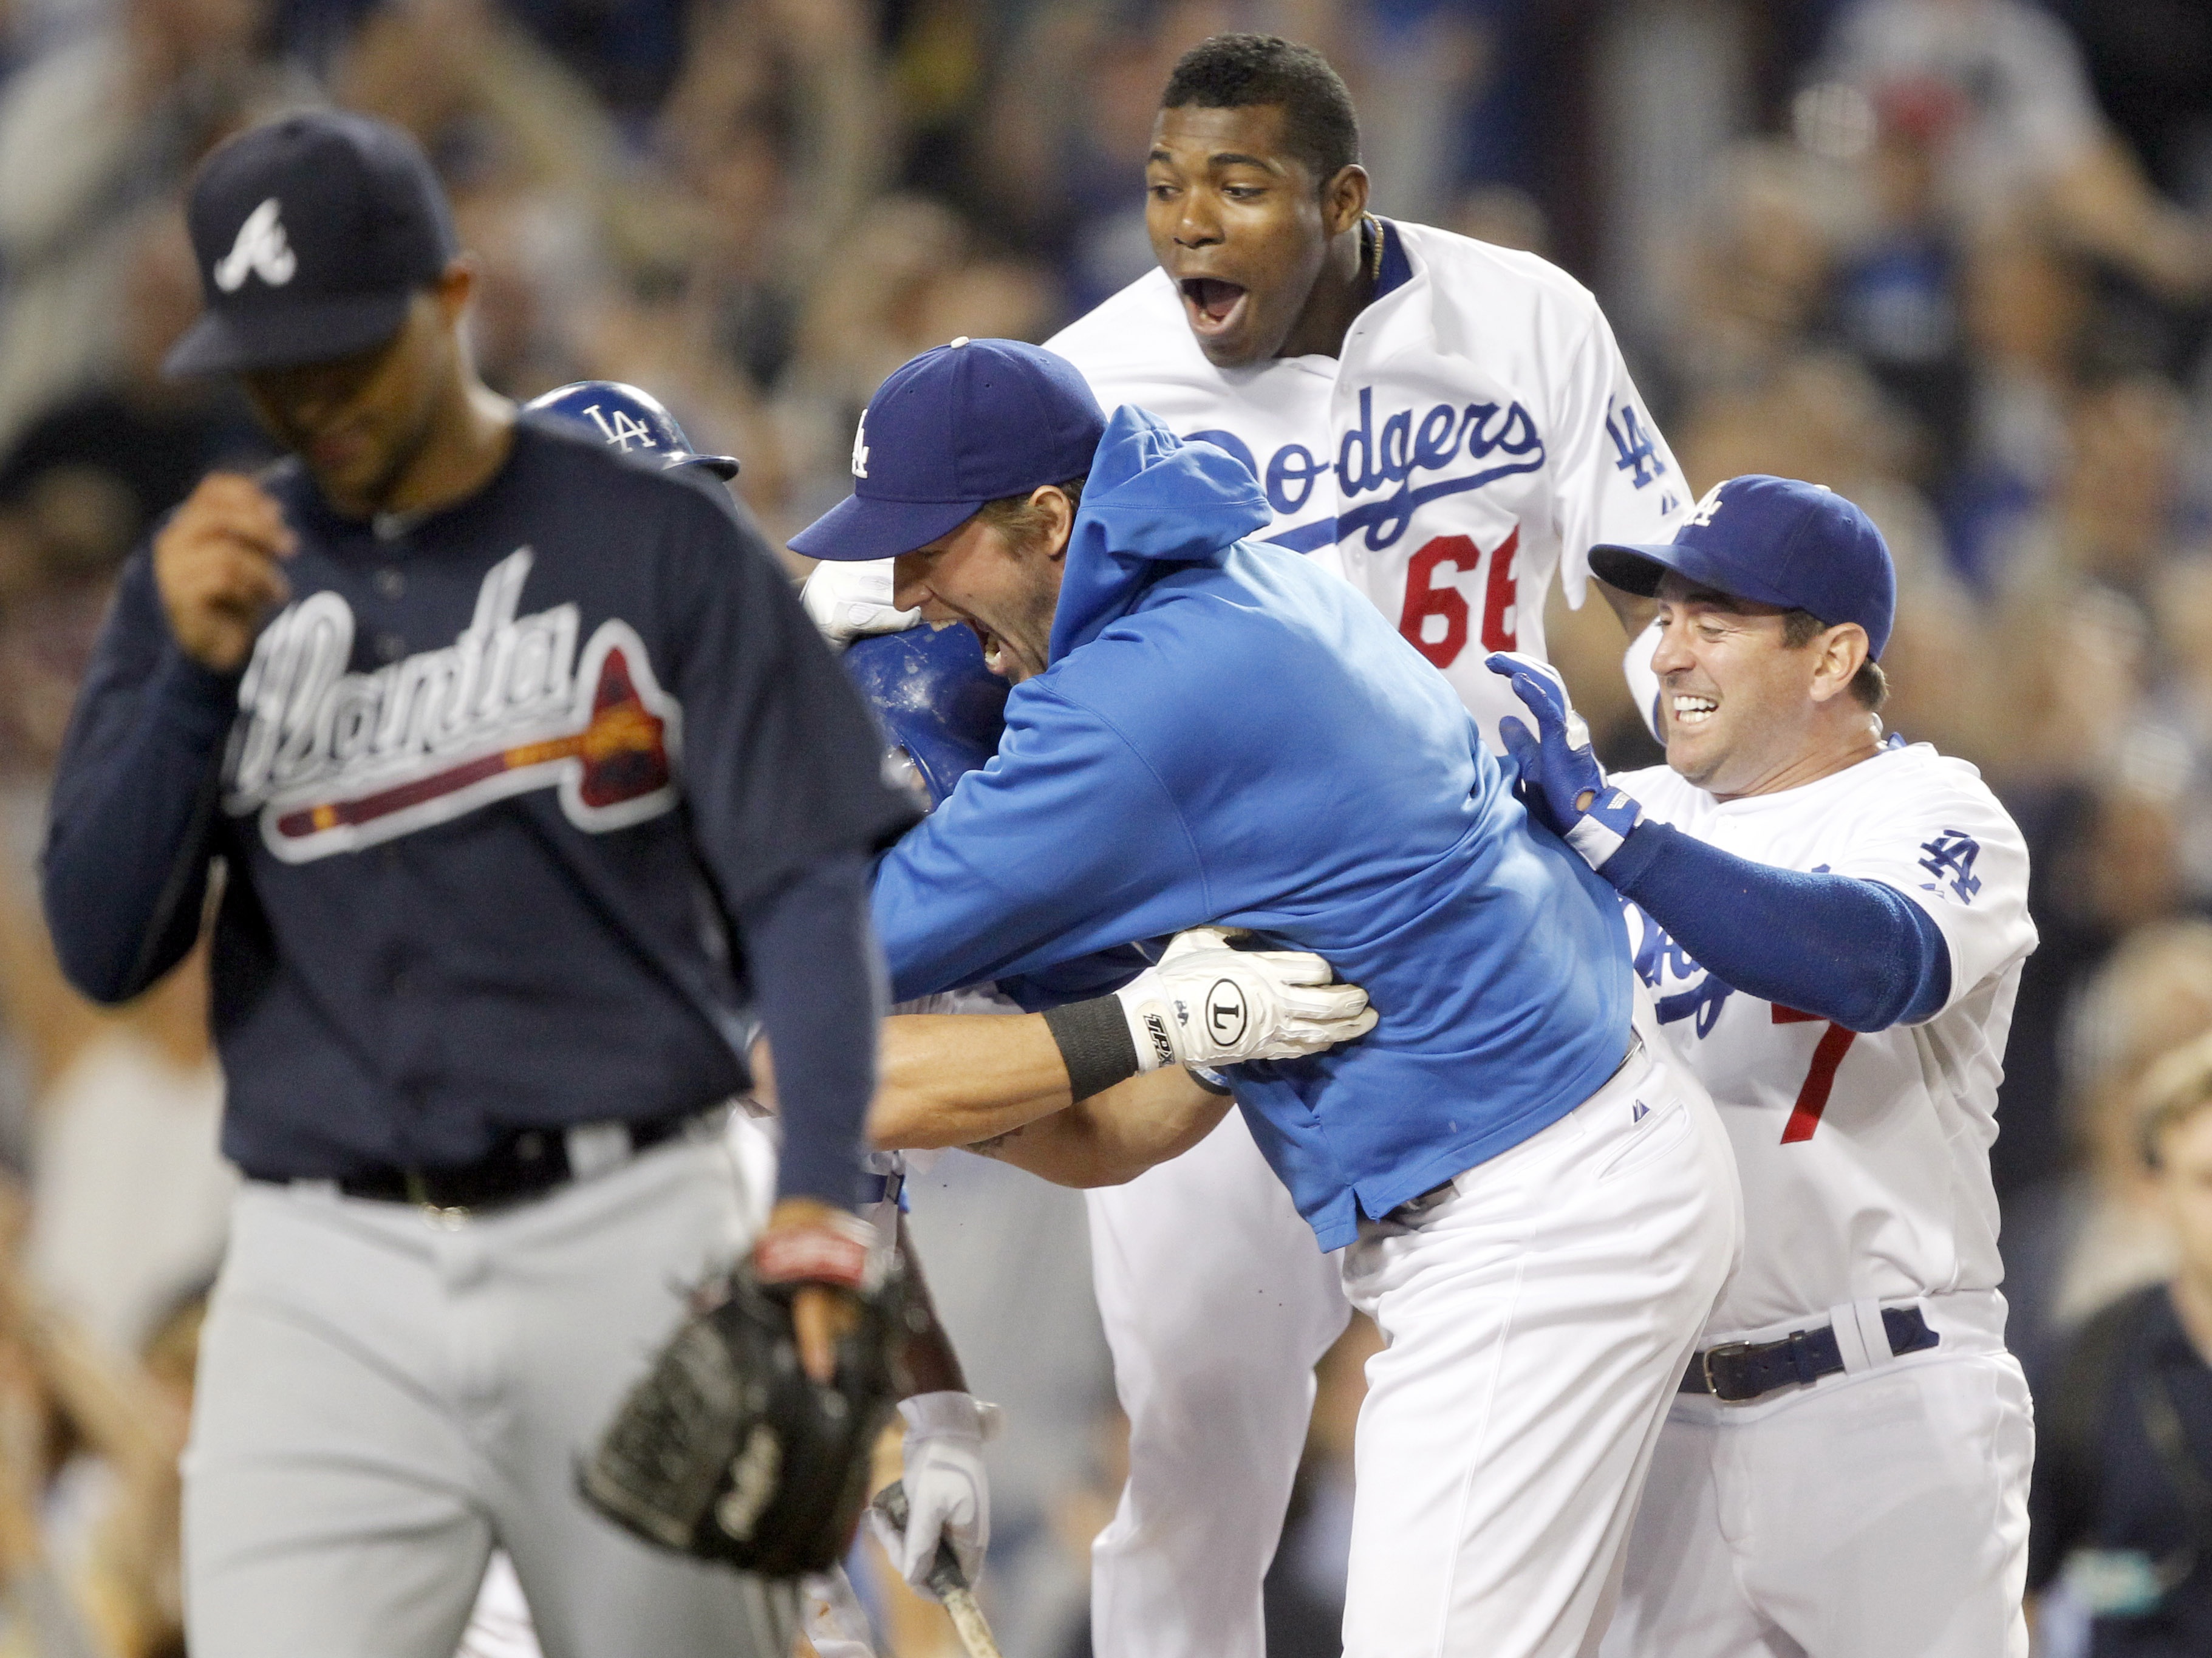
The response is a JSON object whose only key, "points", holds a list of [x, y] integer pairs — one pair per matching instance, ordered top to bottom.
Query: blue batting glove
{"points": [[1562, 784]]}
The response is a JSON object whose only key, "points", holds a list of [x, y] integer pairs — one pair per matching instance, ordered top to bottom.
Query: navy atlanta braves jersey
{"points": [[490, 792]]}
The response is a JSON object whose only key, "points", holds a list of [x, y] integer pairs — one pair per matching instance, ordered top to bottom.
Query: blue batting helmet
{"points": [[628, 419], [934, 699]]}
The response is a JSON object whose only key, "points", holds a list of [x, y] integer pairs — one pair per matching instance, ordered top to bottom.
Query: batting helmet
{"points": [[628, 419], [934, 699]]}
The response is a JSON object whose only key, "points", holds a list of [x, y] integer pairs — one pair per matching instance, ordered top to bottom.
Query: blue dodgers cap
{"points": [[312, 232], [627, 418], [963, 424], [1774, 541]]}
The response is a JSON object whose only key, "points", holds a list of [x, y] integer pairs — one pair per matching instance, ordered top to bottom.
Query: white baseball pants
{"points": [[1217, 1303], [1538, 1319], [380, 1399], [1877, 1513]]}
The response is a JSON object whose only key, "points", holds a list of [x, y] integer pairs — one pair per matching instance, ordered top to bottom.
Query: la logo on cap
{"points": [[261, 249], [861, 447]]}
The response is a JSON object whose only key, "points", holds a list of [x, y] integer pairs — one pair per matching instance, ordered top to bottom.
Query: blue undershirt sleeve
{"points": [[1854, 951], [818, 988]]}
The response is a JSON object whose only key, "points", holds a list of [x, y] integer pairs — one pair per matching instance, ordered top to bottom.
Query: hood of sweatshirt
{"points": [[1151, 501]]}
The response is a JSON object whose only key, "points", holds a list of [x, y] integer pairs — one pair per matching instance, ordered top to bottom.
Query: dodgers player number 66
{"points": [[1446, 424]]}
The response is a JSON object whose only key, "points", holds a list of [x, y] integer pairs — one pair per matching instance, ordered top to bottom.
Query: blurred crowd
{"points": [[1951, 258]]}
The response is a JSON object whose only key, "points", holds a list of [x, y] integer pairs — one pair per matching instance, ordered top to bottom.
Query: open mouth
{"points": [[1213, 304], [994, 650], [1691, 712]]}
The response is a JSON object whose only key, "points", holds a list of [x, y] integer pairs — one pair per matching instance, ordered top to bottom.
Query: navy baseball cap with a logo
{"points": [[312, 233], [966, 423], [1774, 541]]}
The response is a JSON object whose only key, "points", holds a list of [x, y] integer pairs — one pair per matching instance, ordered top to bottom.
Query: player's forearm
{"points": [[124, 867], [1842, 949], [819, 993], [951, 1080], [1113, 1137]]}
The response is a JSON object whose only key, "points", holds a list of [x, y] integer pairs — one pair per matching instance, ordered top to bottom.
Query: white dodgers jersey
{"points": [[1478, 433], [1864, 1157]]}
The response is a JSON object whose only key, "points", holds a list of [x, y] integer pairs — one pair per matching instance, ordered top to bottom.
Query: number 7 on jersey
{"points": [[1813, 1098]]}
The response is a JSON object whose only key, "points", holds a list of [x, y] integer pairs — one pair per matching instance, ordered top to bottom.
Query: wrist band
{"points": [[1094, 1044], [835, 1251]]}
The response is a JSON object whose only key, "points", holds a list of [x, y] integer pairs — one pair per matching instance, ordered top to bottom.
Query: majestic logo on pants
{"points": [[262, 249], [334, 760]]}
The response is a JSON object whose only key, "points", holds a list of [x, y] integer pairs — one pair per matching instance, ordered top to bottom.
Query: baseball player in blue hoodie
{"points": [[1535, 1204]]}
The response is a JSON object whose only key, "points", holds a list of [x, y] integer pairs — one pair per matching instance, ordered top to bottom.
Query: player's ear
{"points": [[1344, 199], [455, 287], [1058, 519], [1841, 650]]}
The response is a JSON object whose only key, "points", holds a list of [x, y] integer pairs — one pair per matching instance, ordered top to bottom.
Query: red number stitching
{"points": [[1426, 596], [1498, 596], [1424, 600], [1813, 1098]]}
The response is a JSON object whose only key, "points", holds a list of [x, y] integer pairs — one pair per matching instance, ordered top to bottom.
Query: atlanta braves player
{"points": [[1446, 424], [513, 830], [1833, 926]]}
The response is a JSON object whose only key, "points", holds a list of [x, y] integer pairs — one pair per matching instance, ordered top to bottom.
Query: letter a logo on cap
{"points": [[261, 249], [860, 448], [1707, 507]]}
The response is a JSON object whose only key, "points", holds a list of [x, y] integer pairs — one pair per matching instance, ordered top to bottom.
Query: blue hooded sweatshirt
{"points": [[1225, 733]]}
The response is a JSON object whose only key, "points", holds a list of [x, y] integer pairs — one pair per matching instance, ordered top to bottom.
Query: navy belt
{"points": [[527, 1164], [1737, 1372]]}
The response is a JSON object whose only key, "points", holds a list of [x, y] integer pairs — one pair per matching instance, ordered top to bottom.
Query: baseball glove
{"points": [[726, 1451]]}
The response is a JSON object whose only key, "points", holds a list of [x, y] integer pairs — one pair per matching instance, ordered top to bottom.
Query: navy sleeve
{"points": [[782, 763], [783, 778], [131, 827], [1854, 951], [819, 992]]}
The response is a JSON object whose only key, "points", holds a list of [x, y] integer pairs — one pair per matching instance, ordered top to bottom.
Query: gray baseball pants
{"points": [[384, 1393]]}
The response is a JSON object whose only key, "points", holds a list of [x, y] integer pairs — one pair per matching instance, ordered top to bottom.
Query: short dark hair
{"points": [[1238, 72], [1870, 685]]}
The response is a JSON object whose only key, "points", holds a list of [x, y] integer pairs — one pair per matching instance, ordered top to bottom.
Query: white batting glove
{"points": [[850, 600], [1203, 1004], [947, 1494]]}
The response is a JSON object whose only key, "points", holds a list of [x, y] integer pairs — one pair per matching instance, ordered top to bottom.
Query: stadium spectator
{"points": [[2124, 1473]]}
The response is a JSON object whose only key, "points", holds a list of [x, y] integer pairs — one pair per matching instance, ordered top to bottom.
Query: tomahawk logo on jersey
{"points": [[1478, 433], [1864, 1154]]}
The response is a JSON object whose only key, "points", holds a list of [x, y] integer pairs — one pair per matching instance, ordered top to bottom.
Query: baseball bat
{"points": [[946, 1580]]}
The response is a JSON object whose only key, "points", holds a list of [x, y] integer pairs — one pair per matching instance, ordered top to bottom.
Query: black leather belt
{"points": [[525, 1165], [1737, 1372]]}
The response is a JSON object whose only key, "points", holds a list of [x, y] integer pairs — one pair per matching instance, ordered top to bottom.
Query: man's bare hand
{"points": [[216, 563], [823, 1250]]}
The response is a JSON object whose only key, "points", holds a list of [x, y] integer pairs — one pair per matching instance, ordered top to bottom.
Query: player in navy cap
{"points": [[1206, 729], [522, 840], [1831, 922]]}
